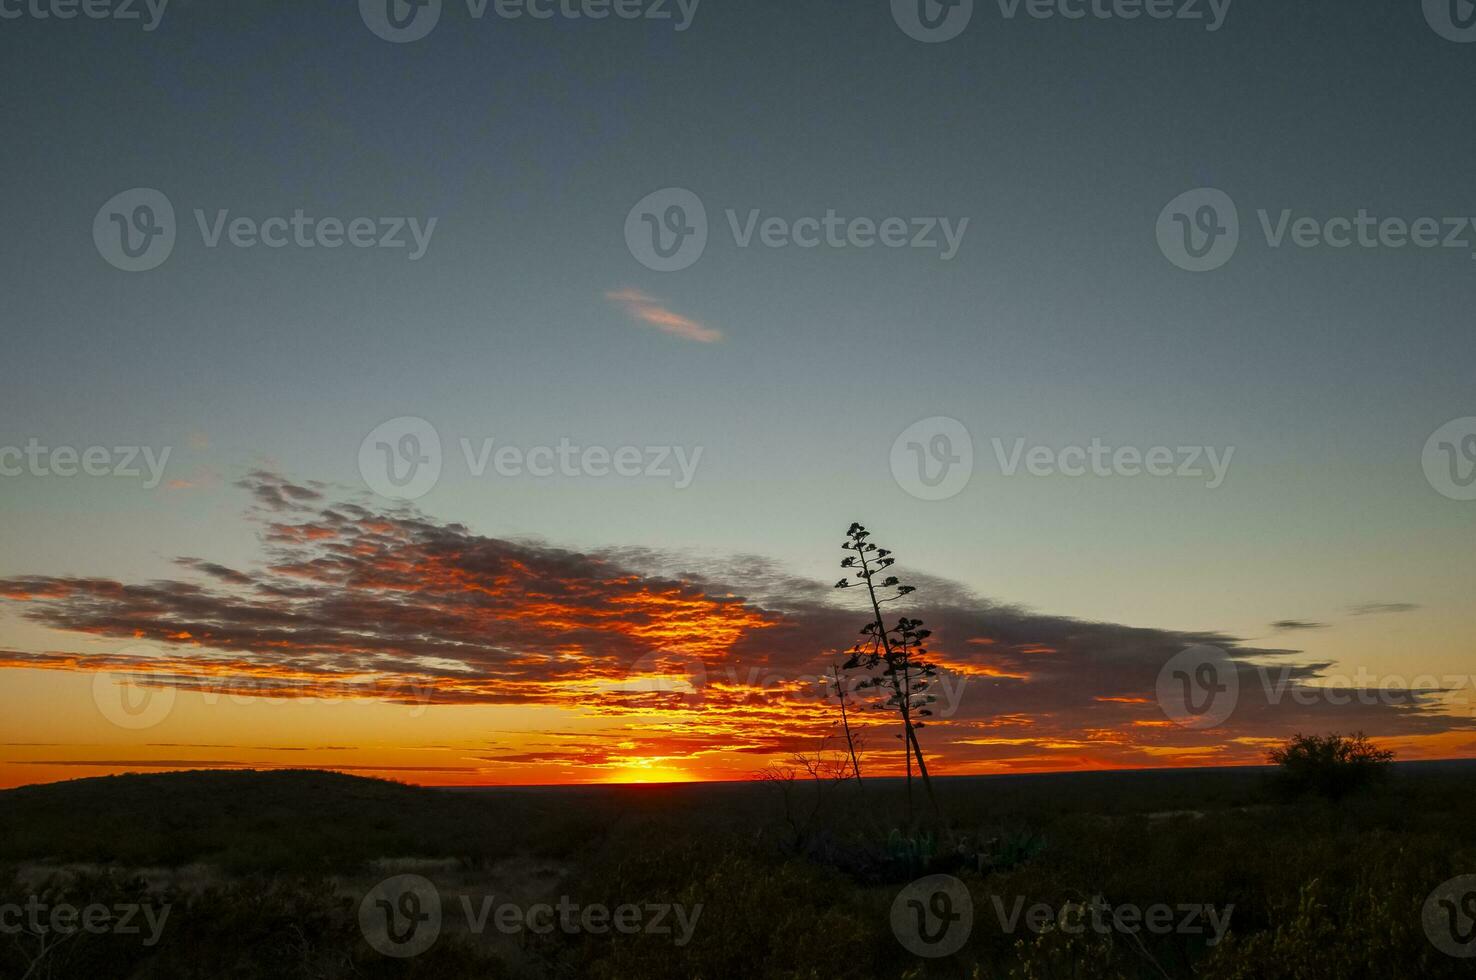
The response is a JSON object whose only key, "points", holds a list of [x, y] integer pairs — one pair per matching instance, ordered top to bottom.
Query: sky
{"points": [[269, 593]]}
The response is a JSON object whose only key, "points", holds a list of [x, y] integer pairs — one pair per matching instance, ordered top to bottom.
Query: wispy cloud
{"points": [[648, 309], [1382, 608], [1293, 625]]}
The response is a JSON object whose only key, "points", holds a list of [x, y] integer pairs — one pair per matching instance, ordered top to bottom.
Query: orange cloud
{"points": [[647, 309], [674, 673]]}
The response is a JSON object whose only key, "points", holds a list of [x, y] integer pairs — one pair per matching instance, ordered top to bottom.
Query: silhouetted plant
{"points": [[897, 653], [842, 698], [1329, 765], [827, 768]]}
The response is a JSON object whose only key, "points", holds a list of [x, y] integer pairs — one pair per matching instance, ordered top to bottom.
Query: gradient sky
{"points": [[1059, 321]]}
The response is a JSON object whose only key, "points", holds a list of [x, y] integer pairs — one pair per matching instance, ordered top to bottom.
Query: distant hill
{"points": [[245, 820], [313, 821]]}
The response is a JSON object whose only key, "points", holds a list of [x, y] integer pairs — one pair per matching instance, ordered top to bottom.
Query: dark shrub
{"points": [[1329, 765]]}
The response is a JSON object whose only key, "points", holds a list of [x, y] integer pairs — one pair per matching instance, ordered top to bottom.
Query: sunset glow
{"points": [[386, 643]]}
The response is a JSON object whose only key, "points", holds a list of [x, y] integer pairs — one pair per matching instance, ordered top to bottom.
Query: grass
{"points": [[1318, 890]]}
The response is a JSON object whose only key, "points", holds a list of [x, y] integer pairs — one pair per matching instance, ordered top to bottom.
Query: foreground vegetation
{"points": [[795, 878]]}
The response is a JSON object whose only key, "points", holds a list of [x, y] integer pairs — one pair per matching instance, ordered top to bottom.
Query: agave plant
{"points": [[893, 658]]}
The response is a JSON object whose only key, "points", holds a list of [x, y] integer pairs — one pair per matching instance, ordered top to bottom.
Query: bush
{"points": [[1329, 765]]}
